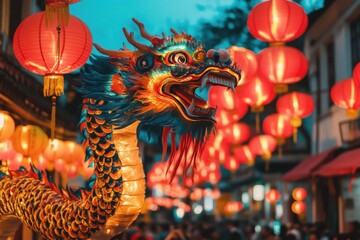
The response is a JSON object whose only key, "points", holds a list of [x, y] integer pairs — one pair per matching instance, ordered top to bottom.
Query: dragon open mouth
{"points": [[194, 106]]}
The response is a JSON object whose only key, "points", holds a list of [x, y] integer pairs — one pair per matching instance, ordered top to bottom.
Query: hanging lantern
{"points": [[277, 21], [52, 49], [246, 60], [281, 65], [356, 75], [256, 93], [346, 95], [222, 97], [296, 105], [226, 117], [7, 126], [278, 126], [235, 133], [29, 140], [263, 145], [55, 150], [7, 151], [74, 152], [243, 154], [16, 162], [40, 162], [231, 164], [72, 170], [299, 193], [272, 196], [233, 206], [298, 207]]}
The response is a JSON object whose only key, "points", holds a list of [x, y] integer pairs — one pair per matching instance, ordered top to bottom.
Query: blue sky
{"points": [[106, 18]]}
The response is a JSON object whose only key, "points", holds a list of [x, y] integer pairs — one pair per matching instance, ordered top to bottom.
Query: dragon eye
{"points": [[179, 57], [144, 63]]}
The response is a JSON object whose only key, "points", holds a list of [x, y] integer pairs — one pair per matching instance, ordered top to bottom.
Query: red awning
{"points": [[344, 164], [307, 166]]}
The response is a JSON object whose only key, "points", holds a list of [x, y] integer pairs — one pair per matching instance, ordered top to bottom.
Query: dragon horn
{"points": [[143, 32], [176, 34], [139, 46], [114, 54]]}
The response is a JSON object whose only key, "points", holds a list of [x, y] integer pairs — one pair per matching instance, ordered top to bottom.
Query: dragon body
{"points": [[153, 85]]}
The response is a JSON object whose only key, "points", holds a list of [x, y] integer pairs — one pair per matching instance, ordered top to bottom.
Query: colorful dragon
{"points": [[153, 85]]}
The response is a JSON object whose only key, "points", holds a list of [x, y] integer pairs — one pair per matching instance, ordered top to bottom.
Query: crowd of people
{"points": [[234, 230]]}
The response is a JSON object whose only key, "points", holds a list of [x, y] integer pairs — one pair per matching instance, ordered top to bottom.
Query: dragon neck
{"points": [[119, 173]]}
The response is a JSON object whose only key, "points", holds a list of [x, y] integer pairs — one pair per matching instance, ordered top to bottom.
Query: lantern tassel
{"points": [[53, 117]]}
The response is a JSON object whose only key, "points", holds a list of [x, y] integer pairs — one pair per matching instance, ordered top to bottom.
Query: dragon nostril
{"points": [[216, 57]]}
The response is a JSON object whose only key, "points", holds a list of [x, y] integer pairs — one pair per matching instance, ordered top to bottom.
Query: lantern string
{"points": [[53, 117], [257, 122], [295, 135]]}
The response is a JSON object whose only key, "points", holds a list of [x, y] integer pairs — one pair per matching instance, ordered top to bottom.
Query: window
{"points": [[355, 42]]}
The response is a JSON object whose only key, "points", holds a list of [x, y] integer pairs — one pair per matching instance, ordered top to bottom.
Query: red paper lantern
{"points": [[277, 21], [52, 51], [245, 59], [281, 65], [356, 75], [256, 93], [346, 95], [222, 98], [296, 105], [226, 117], [7, 126], [278, 126], [236, 133], [29, 140], [263, 145], [55, 150], [7, 151], [74, 154], [243, 154], [231, 164], [299, 194], [272, 196], [233, 206], [298, 207]]}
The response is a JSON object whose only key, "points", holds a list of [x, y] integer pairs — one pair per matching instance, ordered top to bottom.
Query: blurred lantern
{"points": [[277, 21], [52, 49], [246, 60], [281, 65], [356, 75], [256, 93], [346, 95], [222, 97], [296, 105], [225, 117], [7, 126], [278, 126], [235, 133], [29, 140], [263, 145], [216, 148], [55, 150], [7, 151], [74, 152], [243, 154], [16, 162], [40, 162], [231, 164], [60, 165], [72, 170], [88, 171], [215, 193], [196, 194], [299, 194], [272, 196], [233, 206], [298, 207]]}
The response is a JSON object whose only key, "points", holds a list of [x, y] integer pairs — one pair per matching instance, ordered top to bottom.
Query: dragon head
{"points": [[156, 84]]}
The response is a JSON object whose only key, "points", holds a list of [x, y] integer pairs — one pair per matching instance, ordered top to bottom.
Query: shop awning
{"points": [[344, 164], [307, 166]]}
